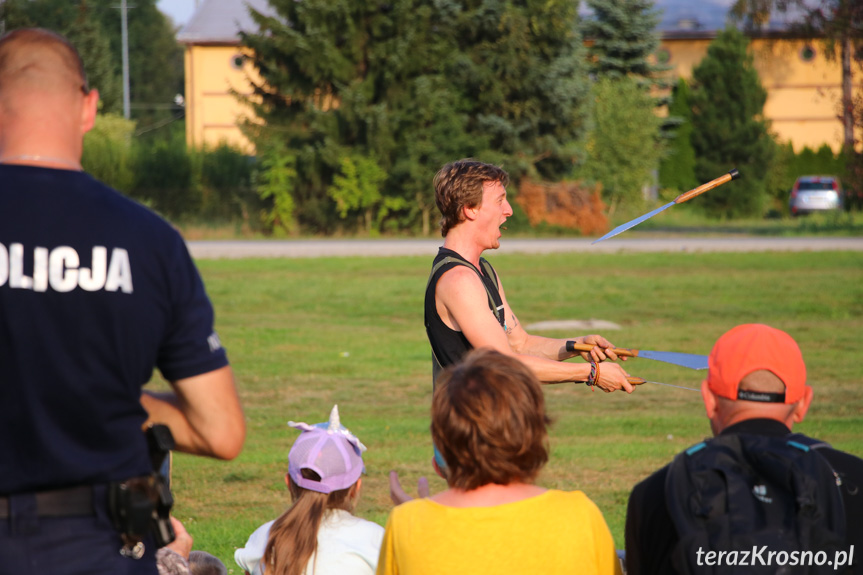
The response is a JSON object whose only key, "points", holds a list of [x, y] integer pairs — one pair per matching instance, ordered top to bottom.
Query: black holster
{"points": [[142, 505]]}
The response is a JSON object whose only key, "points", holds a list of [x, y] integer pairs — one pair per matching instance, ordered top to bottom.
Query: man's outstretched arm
{"points": [[463, 304], [552, 348]]}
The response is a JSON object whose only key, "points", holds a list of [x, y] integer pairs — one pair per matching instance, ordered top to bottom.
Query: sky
{"points": [[179, 10]]}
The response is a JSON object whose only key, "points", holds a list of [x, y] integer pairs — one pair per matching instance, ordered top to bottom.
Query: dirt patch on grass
{"points": [[579, 324]]}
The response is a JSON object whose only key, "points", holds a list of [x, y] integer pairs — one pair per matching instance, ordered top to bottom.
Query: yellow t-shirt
{"points": [[555, 532]]}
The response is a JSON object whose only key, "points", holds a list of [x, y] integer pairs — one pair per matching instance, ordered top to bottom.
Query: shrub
{"points": [[108, 151]]}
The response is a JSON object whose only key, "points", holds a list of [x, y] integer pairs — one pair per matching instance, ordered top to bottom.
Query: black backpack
{"points": [[737, 498]]}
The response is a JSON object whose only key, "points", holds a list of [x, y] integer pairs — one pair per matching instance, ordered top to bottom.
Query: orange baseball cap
{"points": [[753, 347]]}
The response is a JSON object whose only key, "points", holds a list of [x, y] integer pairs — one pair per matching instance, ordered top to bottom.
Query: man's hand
{"points": [[601, 351], [611, 377], [399, 496], [182, 544]]}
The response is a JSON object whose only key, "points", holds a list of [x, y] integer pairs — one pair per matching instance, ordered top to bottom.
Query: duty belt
{"points": [[70, 502]]}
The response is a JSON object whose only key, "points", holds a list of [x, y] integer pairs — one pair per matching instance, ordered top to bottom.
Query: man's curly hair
{"points": [[458, 185]]}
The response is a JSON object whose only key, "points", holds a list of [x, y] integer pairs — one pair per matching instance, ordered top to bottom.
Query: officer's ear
{"points": [[89, 109]]}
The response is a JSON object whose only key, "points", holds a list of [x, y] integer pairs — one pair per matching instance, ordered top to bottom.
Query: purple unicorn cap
{"points": [[328, 449]]}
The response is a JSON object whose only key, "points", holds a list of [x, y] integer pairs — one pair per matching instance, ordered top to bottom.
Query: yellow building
{"points": [[217, 70], [803, 86]]}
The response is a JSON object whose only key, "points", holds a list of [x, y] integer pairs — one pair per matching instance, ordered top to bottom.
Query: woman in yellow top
{"points": [[489, 424]]}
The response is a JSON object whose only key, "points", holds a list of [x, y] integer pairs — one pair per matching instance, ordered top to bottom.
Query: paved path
{"points": [[428, 247]]}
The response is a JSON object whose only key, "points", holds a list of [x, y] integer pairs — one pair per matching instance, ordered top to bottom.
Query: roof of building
{"points": [[685, 15], [220, 21]]}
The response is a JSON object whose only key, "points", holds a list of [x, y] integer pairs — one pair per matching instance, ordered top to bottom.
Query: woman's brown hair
{"points": [[489, 421], [293, 536]]}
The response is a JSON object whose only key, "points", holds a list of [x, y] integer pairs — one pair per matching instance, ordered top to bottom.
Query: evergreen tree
{"points": [[625, 36], [520, 66], [408, 85], [729, 129], [677, 168]]}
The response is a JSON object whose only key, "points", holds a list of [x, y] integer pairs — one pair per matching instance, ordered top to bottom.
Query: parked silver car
{"points": [[814, 194]]}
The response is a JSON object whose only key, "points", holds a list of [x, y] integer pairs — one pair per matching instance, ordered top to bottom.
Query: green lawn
{"points": [[305, 334]]}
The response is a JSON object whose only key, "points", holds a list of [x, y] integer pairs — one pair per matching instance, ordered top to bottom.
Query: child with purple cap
{"points": [[318, 534]]}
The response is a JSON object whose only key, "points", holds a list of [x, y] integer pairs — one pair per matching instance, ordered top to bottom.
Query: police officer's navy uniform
{"points": [[95, 290]]}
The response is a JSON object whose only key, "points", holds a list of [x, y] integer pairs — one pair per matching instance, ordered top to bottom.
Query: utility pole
{"points": [[124, 27]]}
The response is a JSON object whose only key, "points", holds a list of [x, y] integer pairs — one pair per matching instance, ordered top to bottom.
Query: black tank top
{"points": [[448, 345]]}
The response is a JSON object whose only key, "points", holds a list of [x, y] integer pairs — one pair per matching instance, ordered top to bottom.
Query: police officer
{"points": [[95, 291]]}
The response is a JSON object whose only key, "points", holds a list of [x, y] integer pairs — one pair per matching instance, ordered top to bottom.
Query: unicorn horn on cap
{"points": [[335, 423], [333, 426]]}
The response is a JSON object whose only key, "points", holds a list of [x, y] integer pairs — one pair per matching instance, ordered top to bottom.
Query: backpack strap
{"points": [[498, 311], [809, 442]]}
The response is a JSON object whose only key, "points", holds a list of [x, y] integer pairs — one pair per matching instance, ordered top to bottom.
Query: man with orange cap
{"points": [[755, 386]]}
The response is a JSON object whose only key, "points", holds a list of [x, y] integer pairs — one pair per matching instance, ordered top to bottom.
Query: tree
{"points": [[836, 21], [625, 36], [94, 46], [520, 67], [156, 69], [411, 85], [729, 129], [624, 147], [677, 168]]}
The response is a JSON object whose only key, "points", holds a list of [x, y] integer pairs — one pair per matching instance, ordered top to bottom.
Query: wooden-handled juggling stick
{"points": [[686, 196], [690, 360]]}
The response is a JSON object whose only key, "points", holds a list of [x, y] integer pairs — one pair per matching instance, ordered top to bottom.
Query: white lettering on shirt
{"points": [[4, 264], [59, 269], [63, 269], [119, 272], [17, 279], [93, 279]]}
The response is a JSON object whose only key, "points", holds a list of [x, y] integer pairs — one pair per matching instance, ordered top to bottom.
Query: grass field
{"points": [[305, 334]]}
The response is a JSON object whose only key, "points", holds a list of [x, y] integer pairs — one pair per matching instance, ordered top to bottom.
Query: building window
{"points": [[807, 53], [663, 56], [237, 61]]}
